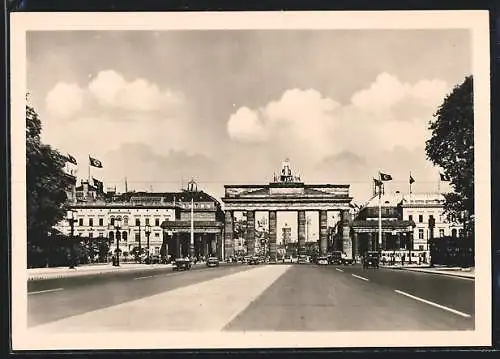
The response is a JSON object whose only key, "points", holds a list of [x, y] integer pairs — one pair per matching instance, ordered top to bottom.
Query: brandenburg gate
{"points": [[286, 193]]}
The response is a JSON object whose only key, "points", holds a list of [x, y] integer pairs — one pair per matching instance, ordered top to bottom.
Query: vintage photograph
{"points": [[314, 174]]}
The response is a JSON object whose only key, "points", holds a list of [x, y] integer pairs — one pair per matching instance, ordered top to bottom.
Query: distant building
{"points": [[286, 234]]}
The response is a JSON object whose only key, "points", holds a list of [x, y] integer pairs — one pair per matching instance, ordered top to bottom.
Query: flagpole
{"points": [[410, 182], [439, 184], [380, 213], [192, 226]]}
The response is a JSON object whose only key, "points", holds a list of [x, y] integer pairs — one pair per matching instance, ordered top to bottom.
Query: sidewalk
{"points": [[82, 270], [450, 271]]}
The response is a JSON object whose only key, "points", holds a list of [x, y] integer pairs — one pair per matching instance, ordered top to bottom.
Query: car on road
{"points": [[336, 258], [287, 259], [303, 259], [254, 260], [371, 260], [322, 261], [348, 261], [212, 262], [182, 264]]}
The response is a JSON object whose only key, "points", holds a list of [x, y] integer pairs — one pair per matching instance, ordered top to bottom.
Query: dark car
{"points": [[336, 258], [371, 260], [254, 261], [322, 261], [347, 261], [212, 262], [182, 264]]}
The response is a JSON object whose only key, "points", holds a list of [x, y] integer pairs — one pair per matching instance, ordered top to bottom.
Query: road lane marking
{"points": [[338, 269], [149, 276], [363, 278], [46, 291], [433, 304]]}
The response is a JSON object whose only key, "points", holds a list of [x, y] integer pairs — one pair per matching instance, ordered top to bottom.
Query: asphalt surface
{"points": [[261, 298], [337, 298], [53, 299]]}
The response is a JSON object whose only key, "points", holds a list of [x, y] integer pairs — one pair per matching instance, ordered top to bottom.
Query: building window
{"points": [[410, 217], [420, 218], [80, 221], [101, 221], [112, 221], [125, 221], [137, 221], [147, 221], [91, 222], [157, 222], [441, 232], [453, 232], [461, 233], [420, 234], [91, 235], [101, 235], [112, 235], [157, 235], [118, 236], [124, 236], [137, 236], [420, 247]]}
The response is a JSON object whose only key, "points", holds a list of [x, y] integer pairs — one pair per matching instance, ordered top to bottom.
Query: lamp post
{"points": [[71, 219], [117, 224], [147, 230], [140, 247]]}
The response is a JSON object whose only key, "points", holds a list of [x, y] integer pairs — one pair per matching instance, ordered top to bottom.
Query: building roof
{"points": [[184, 196], [387, 200], [423, 200], [391, 224]]}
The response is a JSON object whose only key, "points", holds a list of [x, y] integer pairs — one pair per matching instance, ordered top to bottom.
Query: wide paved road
{"points": [[260, 298]]}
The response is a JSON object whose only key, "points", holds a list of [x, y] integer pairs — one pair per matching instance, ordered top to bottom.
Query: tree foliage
{"points": [[451, 147], [46, 182]]}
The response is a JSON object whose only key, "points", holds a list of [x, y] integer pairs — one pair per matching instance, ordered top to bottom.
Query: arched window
{"points": [[125, 220], [112, 221], [453, 232], [112, 235], [124, 235], [118, 236]]}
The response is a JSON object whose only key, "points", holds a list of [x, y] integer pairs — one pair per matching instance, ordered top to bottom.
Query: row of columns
{"points": [[250, 232], [369, 241], [208, 244]]}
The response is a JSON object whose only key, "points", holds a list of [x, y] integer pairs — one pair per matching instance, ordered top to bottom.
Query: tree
{"points": [[451, 147], [46, 182]]}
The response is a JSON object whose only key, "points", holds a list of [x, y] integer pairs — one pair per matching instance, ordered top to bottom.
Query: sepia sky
{"points": [[227, 107]]}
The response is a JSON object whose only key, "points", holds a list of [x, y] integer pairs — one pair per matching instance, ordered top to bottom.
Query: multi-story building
{"points": [[421, 209], [146, 217]]}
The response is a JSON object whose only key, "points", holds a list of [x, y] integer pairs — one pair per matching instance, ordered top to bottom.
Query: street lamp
{"points": [[71, 219], [117, 224], [147, 230], [140, 247]]}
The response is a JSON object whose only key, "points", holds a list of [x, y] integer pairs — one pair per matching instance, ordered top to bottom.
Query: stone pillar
{"points": [[301, 231], [323, 232], [346, 233], [228, 235], [250, 235], [272, 235], [206, 240], [398, 240], [355, 244], [213, 246], [218, 246], [178, 251]]}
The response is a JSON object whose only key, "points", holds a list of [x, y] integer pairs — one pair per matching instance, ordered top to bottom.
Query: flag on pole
{"points": [[71, 159], [94, 162], [385, 177], [444, 177], [411, 180], [377, 182], [99, 185]]}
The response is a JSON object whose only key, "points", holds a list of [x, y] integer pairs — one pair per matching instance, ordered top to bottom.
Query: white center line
{"points": [[338, 269], [149, 276], [363, 278], [46, 291], [434, 304]]}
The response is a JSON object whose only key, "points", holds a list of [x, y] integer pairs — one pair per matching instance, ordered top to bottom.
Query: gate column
{"points": [[302, 231], [323, 232], [250, 235], [272, 235], [228, 236]]}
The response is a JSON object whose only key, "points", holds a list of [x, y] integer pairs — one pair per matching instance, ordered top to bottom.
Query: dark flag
{"points": [[71, 159], [94, 162], [385, 177], [444, 177], [411, 180], [377, 182], [98, 184]]}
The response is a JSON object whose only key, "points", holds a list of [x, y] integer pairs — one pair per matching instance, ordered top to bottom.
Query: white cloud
{"points": [[111, 89], [64, 100], [309, 126]]}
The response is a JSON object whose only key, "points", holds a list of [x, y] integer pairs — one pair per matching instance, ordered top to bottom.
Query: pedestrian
{"points": [[403, 260]]}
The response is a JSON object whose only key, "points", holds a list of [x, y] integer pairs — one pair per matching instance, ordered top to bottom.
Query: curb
{"points": [[36, 277], [473, 277]]}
